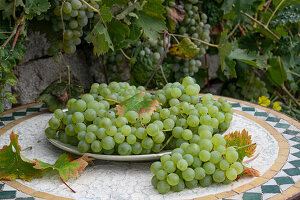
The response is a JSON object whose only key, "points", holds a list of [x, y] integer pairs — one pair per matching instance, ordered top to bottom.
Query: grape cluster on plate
{"points": [[93, 124]]}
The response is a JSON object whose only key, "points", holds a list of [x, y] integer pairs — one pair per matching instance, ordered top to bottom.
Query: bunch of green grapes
{"points": [[76, 16], [194, 25], [251, 91], [94, 125], [194, 164]]}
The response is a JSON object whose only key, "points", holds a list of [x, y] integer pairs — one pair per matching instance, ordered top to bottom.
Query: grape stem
{"points": [[273, 13], [20, 21], [16, 37], [192, 38], [125, 55], [112, 100], [167, 130], [167, 142], [27, 148], [66, 184]]}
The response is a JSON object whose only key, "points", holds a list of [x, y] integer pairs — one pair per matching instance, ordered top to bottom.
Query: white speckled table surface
{"points": [[278, 156]]}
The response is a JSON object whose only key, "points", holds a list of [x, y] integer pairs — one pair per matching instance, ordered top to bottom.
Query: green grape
{"points": [[76, 4], [66, 7], [188, 81], [191, 90], [176, 92], [174, 102], [79, 105], [226, 107], [213, 111], [164, 113], [58, 114], [90, 114], [77, 117], [132, 117], [220, 117], [228, 117], [145, 118], [121, 121], [193, 121], [214, 122], [54, 123], [105, 123], [160, 124], [168, 124], [80, 127], [91, 128], [152, 129], [70, 130], [112, 131], [177, 132], [50, 133], [140, 133], [187, 134], [205, 134], [81, 135], [90, 137], [119, 138], [159, 138], [131, 139], [195, 139], [218, 139], [108, 143], [147, 143], [205, 144], [96, 146], [137, 148], [124, 149], [193, 149], [221, 149], [178, 150], [204, 155], [231, 156], [176, 157], [215, 157], [165, 158], [189, 159], [197, 162], [182, 164], [224, 164], [169, 166], [155, 167], [238, 167], [209, 168], [199, 173], [188, 174], [231, 174], [161, 175], [219, 176], [173, 179], [206, 181], [154, 182], [191, 184], [163, 187], [179, 187]]}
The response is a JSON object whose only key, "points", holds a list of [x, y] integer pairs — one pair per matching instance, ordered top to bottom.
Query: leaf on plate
{"points": [[185, 49], [137, 103], [242, 140], [13, 165], [66, 165], [250, 172]]}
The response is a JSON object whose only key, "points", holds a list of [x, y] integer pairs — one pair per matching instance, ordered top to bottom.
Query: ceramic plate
{"points": [[74, 150]]}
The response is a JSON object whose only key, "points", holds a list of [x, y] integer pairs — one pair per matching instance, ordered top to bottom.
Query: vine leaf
{"points": [[36, 7], [156, 9], [106, 14], [151, 26], [100, 39], [185, 49], [276, 73], [137, 103], [241, 139], [13, 165], [66, 165], [250, 172]]}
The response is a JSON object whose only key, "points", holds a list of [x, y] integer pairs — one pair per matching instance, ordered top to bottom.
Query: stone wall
{"points": [[38, 70]]}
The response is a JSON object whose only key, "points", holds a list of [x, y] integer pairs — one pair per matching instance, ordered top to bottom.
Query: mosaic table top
{"points": [[278, 160]]}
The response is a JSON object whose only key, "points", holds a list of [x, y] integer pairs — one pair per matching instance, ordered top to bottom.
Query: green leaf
{"points": [[109, 3], [36, 7], [156, 9], [106, 14], [290, 14], [151, 26], [118, 32], [135, 33], [100, 39], [185, 49], [227, 66], [276, 73], [10, 97], [137, 103], [2, 107], [13, 165], [65, 165]]}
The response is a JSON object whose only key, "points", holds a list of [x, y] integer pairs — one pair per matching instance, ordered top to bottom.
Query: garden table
{"points": [[278, 160]]}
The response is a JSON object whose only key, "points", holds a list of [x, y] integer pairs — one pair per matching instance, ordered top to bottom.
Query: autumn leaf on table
{"points": [[185, 49], [137, 103], [243, 142], [13, 165], [66, 165], [250, 172]]}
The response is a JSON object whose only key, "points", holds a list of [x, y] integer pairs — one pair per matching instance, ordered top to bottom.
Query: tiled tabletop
{"points": [[283, 183]]}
